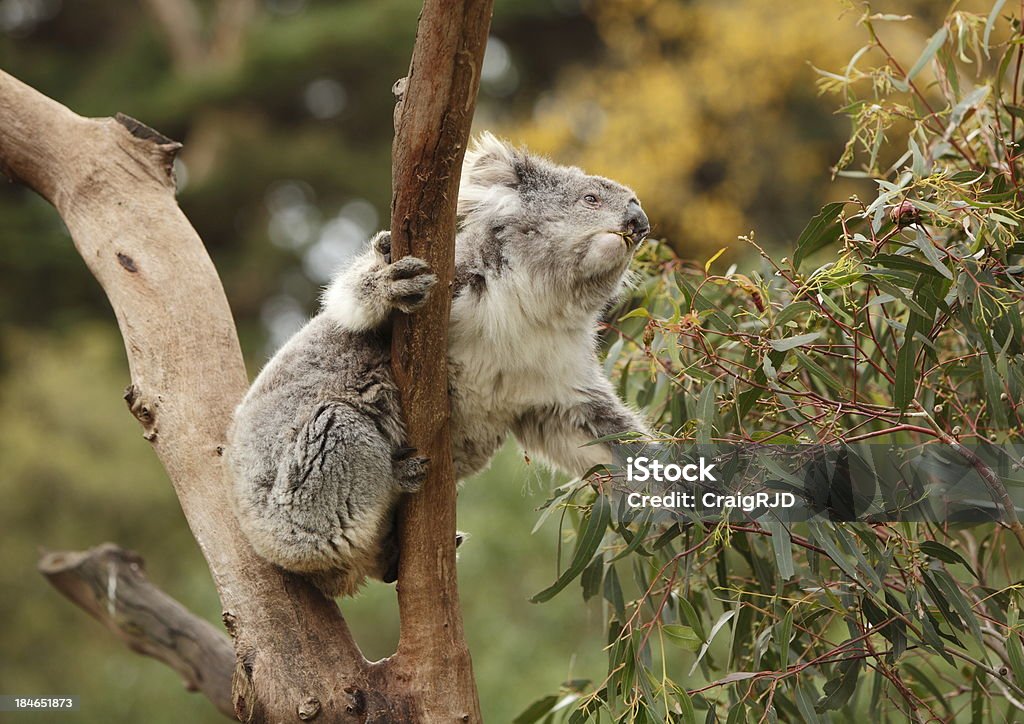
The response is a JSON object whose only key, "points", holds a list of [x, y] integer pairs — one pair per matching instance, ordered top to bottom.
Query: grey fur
{"points": [[317, 447]]}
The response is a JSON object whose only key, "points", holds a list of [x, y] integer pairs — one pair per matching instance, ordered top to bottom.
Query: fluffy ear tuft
{"points": [[490, 161], [489, 176]]}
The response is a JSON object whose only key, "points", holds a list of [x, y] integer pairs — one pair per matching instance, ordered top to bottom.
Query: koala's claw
{"points": [[382, 245], [408, 267], [409, 283], [403, 453], [410, 473]]}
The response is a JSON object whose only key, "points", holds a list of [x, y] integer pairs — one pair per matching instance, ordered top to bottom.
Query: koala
{"points": [[317, 447]]}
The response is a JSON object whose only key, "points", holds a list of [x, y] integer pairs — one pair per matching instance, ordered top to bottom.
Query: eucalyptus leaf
{"points": [[934, 43], [822, 230], [784, 345], [593, 529], [682, 636]]}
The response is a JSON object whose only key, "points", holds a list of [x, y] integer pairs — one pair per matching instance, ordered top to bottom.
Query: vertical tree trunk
{"points": [[432, 124]]}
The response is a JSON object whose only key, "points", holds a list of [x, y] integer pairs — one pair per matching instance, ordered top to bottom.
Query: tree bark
{"points": [[432, 123], [111, 180], [109, 583]]}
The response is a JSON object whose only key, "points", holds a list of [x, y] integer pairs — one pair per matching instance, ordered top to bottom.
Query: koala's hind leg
{"points": [[363, 296], [334, 495]]}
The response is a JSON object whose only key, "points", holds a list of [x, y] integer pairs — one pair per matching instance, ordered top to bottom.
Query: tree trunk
{"points": [[432, 122], [111, 181]]}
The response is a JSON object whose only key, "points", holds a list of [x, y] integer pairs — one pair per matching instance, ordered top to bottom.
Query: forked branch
{"points": [[111, 181]]}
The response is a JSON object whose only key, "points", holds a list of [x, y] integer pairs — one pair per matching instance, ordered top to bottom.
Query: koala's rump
{"points": [[310, 450]]}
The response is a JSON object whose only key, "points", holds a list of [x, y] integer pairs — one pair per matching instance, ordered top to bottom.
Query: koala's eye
{"points": [[590, 199]]}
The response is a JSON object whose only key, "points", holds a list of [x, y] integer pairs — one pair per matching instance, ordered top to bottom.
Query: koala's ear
{"points": [[490, 161], [490, 175]]}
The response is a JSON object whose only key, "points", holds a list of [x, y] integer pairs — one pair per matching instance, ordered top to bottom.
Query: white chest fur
{"points": [[506, 360], [509, 360]]}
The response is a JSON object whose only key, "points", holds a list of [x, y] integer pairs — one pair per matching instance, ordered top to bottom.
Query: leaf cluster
{"points": [[895, 318]]}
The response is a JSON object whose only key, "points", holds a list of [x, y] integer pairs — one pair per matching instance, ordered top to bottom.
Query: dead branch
{"points": [[110, 584]]}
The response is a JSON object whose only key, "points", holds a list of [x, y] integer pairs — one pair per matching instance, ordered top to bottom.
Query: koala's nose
{"points": [[637, 225]]}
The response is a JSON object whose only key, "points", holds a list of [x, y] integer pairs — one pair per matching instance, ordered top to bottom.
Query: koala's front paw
{"points": [[409, 283], [410, 472]]}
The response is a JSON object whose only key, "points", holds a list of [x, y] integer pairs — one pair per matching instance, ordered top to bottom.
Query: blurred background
{"points": [[708, 108]]}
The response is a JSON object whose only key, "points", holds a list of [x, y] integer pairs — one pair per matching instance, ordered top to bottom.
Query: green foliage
{"points": [[897, 318]]}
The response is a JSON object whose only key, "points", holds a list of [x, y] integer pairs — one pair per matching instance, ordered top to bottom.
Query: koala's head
{"points": [[565, 234]]}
